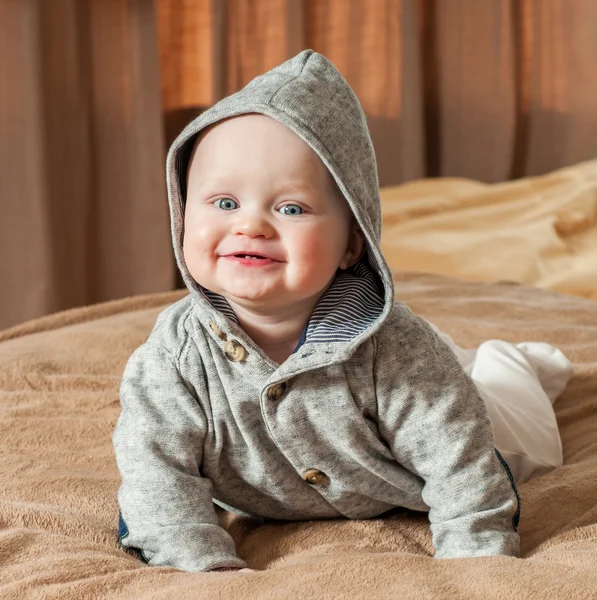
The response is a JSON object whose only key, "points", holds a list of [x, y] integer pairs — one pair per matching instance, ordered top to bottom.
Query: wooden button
{"points": [[217, 331], [234, 351], [276, 391], [315, 477]]}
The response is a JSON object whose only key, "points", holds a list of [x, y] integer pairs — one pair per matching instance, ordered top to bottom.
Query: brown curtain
{"points": [[486, 89], [82, 191]]}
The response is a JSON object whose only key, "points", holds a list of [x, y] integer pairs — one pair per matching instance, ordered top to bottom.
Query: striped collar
{"points": [[349, 306]]}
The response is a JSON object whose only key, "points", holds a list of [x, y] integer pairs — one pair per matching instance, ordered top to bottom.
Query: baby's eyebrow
{"points": [[221, 182], [229, 183], [212, 187], [296, 189]]}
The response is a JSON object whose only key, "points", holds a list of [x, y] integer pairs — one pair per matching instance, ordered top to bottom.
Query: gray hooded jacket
{"points": [[371, 412]]}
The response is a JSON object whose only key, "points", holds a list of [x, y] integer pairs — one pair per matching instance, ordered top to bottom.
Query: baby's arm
{"points": [[437, 426], [158, 440]]}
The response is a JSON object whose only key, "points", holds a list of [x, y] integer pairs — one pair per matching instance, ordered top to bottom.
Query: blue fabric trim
{"points": [[220, 303], [351, 305], [302, 340], [516, 517], [123, 530]]}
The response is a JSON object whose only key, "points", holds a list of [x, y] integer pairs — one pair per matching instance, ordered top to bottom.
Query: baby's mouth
{"points": [[250, 258]]}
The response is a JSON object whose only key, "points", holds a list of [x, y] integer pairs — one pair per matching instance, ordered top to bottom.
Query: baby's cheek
{"points": [[199, 240], [326, 248], [195, 252], [318, 259]]}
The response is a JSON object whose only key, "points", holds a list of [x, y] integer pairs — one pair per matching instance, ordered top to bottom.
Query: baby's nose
{"points": [[254, 225]]}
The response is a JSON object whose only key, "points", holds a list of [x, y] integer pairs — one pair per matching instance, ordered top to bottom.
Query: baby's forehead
{"points": [[247, 129], [242, 140], [223, 160]]}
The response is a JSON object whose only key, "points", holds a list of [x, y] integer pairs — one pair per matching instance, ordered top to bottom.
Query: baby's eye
{"points": [[226, 203], [291, 209]]}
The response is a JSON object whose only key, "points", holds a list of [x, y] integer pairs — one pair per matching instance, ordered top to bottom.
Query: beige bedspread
{"points": [[541, 231], [59, 380]]}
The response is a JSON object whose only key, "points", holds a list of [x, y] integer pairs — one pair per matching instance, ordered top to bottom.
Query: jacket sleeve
{"points": [[437, 426], [166, 503]]}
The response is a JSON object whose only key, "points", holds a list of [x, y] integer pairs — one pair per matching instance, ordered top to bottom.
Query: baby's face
{"points": [[255, 189]]}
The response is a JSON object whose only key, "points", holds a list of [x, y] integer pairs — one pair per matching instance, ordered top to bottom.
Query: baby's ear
{"points": [[354, 249]]}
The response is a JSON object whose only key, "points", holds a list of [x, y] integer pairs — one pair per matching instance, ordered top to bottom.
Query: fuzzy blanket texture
{"points": [[59, 379]]}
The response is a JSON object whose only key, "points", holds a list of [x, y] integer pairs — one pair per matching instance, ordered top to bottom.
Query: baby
{"points": [[289, 384]]}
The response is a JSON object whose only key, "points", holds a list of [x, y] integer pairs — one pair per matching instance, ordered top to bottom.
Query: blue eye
{"points": [[226, 203], [291, 210]]}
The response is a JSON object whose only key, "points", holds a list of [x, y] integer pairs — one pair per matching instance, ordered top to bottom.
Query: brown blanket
{"points": [[59, 380]]}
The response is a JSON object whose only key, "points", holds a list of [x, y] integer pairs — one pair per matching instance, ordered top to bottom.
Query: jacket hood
{"points": [[308, 95]]}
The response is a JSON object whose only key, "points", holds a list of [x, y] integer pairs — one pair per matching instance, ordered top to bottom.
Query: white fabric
{"points": [[519, 383]]}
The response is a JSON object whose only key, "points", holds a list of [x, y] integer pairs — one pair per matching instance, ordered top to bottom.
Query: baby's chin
{"points": [[255, 295], [256, 299], [268, 301]]}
